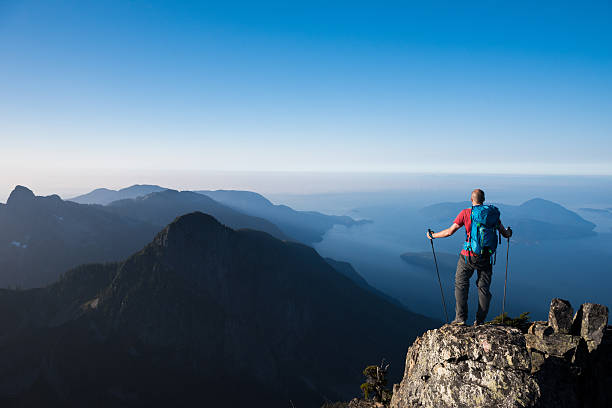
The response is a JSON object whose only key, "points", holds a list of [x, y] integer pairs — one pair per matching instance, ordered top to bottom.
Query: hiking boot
{"points": [[458, 322], [477, 323]]}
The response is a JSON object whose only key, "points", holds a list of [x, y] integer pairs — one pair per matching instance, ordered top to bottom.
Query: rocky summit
{"points": [[564, 362]]}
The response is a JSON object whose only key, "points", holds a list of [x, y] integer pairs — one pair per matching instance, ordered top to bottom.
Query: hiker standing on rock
{"points": [[482, 223]]}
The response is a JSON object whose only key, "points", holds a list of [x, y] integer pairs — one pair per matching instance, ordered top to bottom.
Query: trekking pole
{"points": [[438, 273], [506, 279]]}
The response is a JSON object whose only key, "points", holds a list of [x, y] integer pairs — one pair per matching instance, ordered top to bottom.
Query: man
{"points": [[471, 260]]}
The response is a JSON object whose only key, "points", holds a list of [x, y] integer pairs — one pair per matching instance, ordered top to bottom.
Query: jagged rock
{"points": [[560, 316], [590, 322], [540, 329], [555, 344], [537, 360], [455, 366], [498, 366], [598, 386]]}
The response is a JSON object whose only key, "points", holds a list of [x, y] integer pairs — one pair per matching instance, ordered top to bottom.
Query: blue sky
{"points": [[131, 86]]}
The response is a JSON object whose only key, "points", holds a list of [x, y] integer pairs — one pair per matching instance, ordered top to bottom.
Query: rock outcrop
{"points": [[560, 315], [565, 362], [467, 366]]}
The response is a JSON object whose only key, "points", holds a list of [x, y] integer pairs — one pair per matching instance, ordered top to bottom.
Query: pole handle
{"points": [[430, 231]]}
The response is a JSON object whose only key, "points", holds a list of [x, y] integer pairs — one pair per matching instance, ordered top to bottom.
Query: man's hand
{"points": [[506, 232], [444, 233]]}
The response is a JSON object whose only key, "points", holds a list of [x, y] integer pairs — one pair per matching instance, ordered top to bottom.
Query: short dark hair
{"points": [[478, 196]]}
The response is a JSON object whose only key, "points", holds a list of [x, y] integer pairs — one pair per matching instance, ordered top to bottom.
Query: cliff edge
{"points": [[563, 362]]}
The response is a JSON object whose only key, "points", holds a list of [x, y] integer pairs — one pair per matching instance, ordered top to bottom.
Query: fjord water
{"points": [[578, 268]]}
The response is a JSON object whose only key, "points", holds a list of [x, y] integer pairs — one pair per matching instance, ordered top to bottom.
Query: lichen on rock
{"points": [[564, 362], [459, 366]]}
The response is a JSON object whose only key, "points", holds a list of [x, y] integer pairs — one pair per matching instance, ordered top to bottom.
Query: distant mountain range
{"points": [[105, 196], [160, 208], [536, 219], [305, 226], [41, 237], [202, 316]]}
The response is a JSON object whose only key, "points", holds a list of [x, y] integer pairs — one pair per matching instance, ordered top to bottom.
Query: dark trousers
{"points": [[465, 270]]}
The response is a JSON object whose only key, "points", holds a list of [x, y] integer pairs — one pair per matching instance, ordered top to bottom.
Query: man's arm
{"points": [[506, 232], [444, 233]]}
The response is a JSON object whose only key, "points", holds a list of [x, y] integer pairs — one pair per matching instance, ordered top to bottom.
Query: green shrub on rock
{"points": [[521, 322], [375, 386]]}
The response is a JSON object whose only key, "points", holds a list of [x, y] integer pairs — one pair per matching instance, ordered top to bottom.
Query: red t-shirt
{"points": [[465, 219]]}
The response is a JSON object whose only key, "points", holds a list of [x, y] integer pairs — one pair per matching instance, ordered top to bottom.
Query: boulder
{"points": [[560, 316], [590, 323], [540, 329], [556, 344], [459, 366]]}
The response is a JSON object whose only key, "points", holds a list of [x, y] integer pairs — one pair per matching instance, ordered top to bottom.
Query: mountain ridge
{"points": [[105, 196], [162, 207], [306, 226], [40, 237], [201, 304]]}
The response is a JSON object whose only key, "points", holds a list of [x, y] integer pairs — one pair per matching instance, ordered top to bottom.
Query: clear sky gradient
{"points": [[496, 87]]}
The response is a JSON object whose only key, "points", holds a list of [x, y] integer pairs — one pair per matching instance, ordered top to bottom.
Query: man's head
{"points": [[478, 197]]}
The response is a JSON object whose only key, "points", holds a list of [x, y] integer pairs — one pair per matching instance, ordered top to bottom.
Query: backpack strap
{"points": [[469, 236]]}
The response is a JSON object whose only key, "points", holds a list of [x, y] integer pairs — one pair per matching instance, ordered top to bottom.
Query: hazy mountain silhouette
{"points": [[105, 196], [162, 207], [536, 219], [305, 226], [41, 237], [203, 315]]}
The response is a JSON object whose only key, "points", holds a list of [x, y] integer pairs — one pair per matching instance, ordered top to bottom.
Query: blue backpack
{"points": [[482, 239]]}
